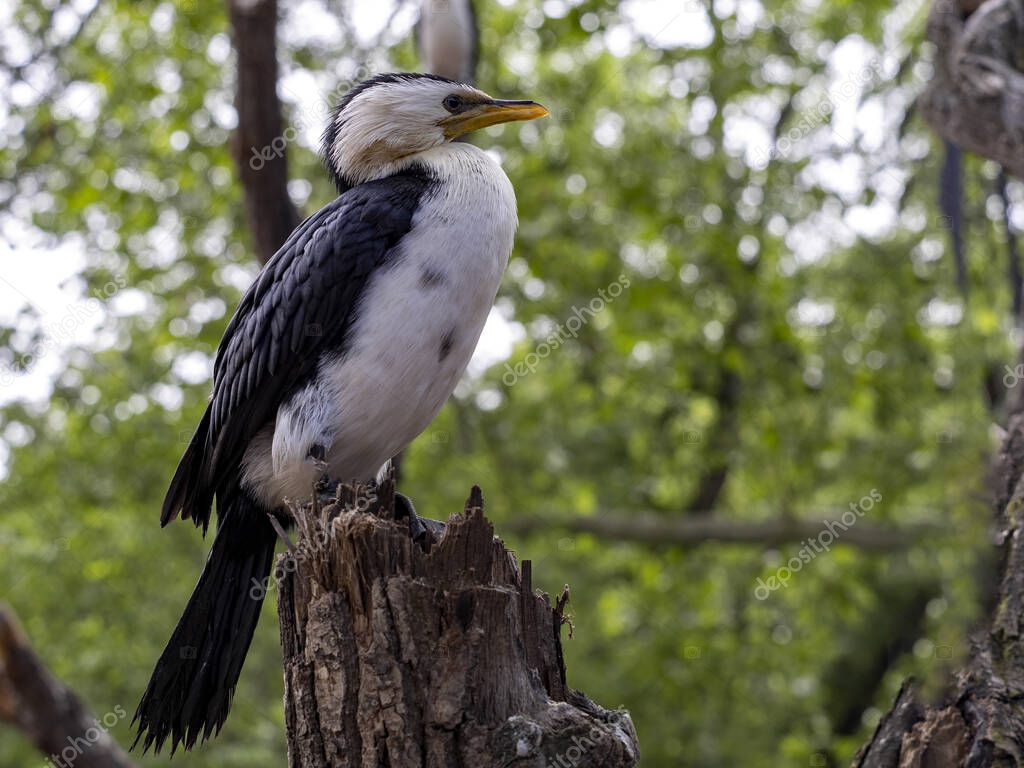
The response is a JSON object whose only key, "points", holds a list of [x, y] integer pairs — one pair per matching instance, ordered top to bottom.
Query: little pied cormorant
{"points": [[341, 352]]}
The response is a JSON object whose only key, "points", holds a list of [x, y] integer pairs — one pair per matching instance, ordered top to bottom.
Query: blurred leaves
{"points": [[791, 321]]}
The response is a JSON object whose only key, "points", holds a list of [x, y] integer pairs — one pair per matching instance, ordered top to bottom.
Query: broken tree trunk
{"points": [[436, 653], [981, 723]]}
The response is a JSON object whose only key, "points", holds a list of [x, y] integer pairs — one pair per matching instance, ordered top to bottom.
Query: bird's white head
{"points": [[386, 120]]}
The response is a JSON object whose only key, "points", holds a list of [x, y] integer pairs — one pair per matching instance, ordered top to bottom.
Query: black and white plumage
{"points": [[342, 351]]}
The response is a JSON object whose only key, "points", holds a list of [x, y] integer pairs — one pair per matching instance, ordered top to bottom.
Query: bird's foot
{"points": [[326, 489], [419, 527]]}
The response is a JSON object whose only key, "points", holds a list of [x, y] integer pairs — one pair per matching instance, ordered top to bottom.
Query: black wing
{"points": [[300, 304]]}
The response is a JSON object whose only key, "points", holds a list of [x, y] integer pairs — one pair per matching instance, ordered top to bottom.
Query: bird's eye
{"points": [[452, 103]]}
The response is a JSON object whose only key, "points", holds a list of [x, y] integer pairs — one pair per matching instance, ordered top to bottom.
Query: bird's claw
{"points": [[419, 527]]}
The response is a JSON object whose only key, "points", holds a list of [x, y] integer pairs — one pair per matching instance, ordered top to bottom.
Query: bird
{"points": [[447, 38], [342, 351]]}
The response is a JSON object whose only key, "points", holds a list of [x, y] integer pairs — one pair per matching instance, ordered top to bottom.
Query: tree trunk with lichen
{"points": [[975, 99], [435, 653], [981, 722]]}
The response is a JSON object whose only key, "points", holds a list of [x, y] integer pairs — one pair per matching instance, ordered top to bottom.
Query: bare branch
{"points": [[675, 531], [46, 710]]}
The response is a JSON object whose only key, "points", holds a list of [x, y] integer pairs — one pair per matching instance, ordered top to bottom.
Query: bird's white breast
{"points": [[416, 327]]}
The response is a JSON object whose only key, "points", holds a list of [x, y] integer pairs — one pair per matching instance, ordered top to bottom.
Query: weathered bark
{"points": [[975, 98], [976, 101], [259, 145], [430, 654], [47, 711], [981, 723]]}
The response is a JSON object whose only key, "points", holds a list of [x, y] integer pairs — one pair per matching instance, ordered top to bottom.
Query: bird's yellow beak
{"points": [[491, 113]]}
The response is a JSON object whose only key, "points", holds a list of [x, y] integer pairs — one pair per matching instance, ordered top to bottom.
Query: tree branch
{"points": [[975, 98], [259, 144], [723, 438], [669, 531], [47, 711]]}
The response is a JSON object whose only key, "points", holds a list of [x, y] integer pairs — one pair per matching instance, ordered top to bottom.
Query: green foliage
{"points": [[707, 364]]}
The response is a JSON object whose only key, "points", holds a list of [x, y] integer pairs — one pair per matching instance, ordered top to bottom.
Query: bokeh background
{"points": [[791, 340]]}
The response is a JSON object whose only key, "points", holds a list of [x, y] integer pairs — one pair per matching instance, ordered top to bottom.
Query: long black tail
{"points": [[192, 685]]}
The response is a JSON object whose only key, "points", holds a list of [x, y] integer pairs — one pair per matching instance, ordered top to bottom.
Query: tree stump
{"points": [[435, 653]]}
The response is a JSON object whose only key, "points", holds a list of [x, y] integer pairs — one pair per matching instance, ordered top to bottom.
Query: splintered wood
{"points": [[433, 653]]}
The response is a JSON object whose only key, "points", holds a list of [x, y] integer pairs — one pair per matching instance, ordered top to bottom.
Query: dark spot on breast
{"points": [[430, 278], [446, 344]]}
